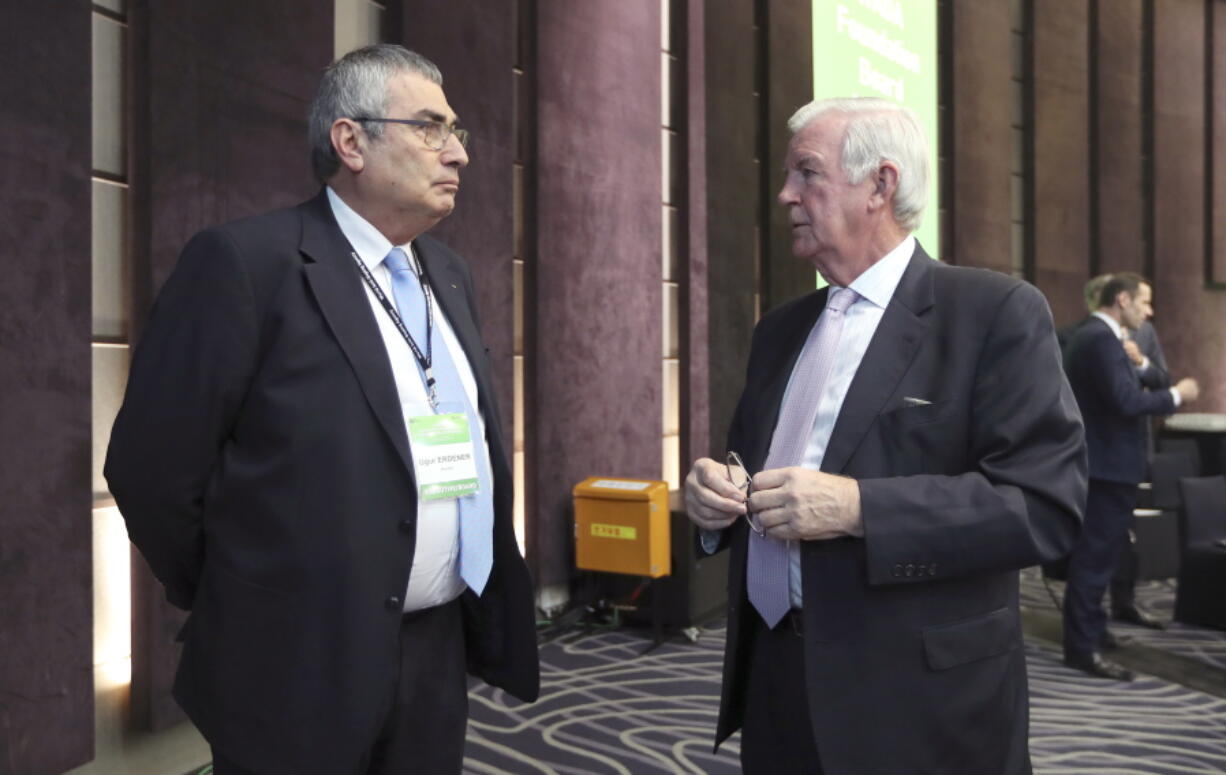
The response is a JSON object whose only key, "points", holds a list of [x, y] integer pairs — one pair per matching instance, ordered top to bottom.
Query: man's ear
{"points": [[347, 142], [885, 184]]}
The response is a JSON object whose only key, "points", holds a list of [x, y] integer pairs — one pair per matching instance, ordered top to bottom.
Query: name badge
{"points": [[443, 456]]}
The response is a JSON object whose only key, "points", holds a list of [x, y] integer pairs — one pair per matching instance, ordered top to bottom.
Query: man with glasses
{"points": [[906, 442], [310, 457]]}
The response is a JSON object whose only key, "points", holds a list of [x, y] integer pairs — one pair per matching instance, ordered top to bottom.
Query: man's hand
{"points": [[1134, 353], [1188, 389], [712, 501], [800, 504]]}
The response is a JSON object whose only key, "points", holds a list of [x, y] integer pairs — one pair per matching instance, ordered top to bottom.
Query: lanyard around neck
{"points": [[424, 360]]}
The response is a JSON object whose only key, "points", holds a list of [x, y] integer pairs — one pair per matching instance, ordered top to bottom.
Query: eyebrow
{"points": [[431, 115], [801, 160]]}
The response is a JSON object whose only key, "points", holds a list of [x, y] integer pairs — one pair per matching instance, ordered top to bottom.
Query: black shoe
{"points": [[1134, 615], [1110, 642], [1100, 667]]}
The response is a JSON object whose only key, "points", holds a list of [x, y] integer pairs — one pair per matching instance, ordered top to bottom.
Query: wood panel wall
{"points": [[221, 95], [598, 276], [46, 584]]}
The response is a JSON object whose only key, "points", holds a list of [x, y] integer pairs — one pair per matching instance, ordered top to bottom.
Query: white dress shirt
{"points": [[435, 576]]}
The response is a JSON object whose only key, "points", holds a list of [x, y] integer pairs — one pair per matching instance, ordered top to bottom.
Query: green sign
{"points": [[883, 48]]}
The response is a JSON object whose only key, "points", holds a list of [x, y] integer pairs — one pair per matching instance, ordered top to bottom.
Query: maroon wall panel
{"points": [[471, 41], [789, 84], [221, 95], [980, 100], [1117, 143], [1061, 185], [731, 204], [1217, 214], [598, 274], [1188, 315], [696, 432], [46, 597]]}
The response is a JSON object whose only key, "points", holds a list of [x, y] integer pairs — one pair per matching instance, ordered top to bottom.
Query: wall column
{"points": [[599, 308], [46, 584]]}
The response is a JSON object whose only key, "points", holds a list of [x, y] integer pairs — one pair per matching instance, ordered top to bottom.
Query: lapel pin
{"points": [[453, 285]]}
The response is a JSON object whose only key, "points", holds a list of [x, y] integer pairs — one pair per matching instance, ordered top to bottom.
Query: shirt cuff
{"points": [[1175, 395]]}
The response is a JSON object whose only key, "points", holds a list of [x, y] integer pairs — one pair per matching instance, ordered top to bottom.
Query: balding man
{"points": [[277, 456]]}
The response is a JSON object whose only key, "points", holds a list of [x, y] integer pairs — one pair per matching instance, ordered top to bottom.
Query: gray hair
{"points": [[356, 85], [879, 130]]}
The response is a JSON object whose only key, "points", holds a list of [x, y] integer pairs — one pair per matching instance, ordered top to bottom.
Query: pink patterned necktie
{"points": [[768, 557]]}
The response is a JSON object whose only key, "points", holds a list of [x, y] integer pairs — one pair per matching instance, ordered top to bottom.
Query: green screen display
{"points": [[883, 48]]}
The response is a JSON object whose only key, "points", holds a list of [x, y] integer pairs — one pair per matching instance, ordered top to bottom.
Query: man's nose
{"points": [[454, 152], [786, 195]]}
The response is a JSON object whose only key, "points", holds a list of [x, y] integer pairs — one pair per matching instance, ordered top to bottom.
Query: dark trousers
{"points": [[1092, 563], [1124, 581], [426, 711], [777, 736]]}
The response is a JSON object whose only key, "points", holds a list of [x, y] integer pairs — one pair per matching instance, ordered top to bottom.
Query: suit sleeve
{"points": [[1155, 376], [188, 379], [1116, 387], [1021, 499], [708, 542]]}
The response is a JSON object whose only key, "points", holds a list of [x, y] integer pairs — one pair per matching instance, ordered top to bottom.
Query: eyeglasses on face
{"points": [[434, 133], [740, 478]]}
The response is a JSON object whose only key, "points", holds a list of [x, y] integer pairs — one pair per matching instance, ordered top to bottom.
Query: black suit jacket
{"points": [[1153, 377], [1112, 402], [261, 462], [913, 646]]}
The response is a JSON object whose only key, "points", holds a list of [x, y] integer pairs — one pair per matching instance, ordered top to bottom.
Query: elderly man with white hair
{"points": [[906, 441]]}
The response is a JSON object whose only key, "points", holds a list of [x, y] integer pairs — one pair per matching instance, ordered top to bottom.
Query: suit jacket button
{"points": [[406, 526], [921, 569], [932, 569], [910, 570], [897, 571], [392, 603]]}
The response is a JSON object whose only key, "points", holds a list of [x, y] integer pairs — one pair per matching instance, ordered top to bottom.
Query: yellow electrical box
{"points": [[621, 526]]}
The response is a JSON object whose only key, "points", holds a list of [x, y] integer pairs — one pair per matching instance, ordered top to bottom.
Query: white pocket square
{"points": [[909, 401]]}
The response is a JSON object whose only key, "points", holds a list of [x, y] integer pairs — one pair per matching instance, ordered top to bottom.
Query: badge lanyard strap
{"points": [[426, 361]]}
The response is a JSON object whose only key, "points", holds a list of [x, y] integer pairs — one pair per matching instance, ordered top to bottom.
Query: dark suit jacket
{"points": [[1156, 376], [1112, 403], [261, 462], [913, 646]]}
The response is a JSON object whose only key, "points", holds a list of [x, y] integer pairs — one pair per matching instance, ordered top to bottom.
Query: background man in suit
{"points": [[1145, 352], [1114, 407], [273, 456], [899, 492]]}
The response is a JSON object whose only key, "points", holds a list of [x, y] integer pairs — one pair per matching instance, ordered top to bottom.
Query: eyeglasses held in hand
{"points": [[434, 133], [740, 478]]}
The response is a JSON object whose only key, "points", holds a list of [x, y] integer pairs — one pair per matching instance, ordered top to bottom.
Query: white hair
{"points": [[879, 130]]}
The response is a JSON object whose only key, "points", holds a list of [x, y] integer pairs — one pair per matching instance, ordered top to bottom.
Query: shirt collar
{"points": [[369, 243], [877, 283], [1110, 321]]}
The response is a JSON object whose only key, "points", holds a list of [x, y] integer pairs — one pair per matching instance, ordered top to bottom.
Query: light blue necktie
{"points": [[476, 511]]}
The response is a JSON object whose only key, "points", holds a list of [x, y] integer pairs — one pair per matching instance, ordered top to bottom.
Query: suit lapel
{"points": [[338, 288], [894, 344]]}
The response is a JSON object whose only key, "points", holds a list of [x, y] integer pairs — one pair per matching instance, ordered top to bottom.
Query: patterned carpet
{"points": [[1157, 597], [607, 707]]}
